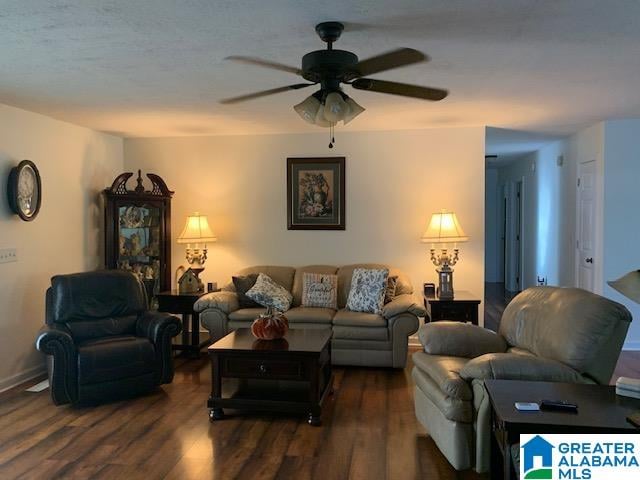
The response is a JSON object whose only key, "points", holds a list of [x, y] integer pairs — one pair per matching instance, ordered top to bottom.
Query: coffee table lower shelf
{"points": [[269, 396]]}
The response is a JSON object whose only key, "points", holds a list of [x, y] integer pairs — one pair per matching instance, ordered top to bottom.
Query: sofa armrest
{"points": [[224, 301], [400, 304], [160, 328], [458, 339], [56, 341], [512, 366]]}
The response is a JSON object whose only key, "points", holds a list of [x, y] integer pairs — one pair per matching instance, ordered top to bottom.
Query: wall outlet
{"points": [[8, 255]]}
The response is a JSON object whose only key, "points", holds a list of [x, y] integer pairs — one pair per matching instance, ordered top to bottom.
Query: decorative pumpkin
{"points": [[270, 326]]}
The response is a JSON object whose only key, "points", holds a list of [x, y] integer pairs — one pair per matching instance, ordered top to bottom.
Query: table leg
{"points": [[185, 329], [195, 332]]}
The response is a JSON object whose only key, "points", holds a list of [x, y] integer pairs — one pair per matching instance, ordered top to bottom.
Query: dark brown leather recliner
{"points": [[101, 341]]}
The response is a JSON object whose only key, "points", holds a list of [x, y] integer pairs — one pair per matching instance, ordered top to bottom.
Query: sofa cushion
{"points": [[345, 273], [281, 275], [299, 275], [242, 284], [320, 290], [367, 290], [269, 293], [247, 314], [310, 315], [358, 319], [360, 333], [114, 358], [511, 366], [445, 372]]}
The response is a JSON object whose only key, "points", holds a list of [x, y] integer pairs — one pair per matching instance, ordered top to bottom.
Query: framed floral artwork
{"points": [[315, 193]]}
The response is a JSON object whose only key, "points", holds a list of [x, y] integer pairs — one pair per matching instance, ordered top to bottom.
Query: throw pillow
{"points": [[243, 284], [320, 290], [367, 290], [390, 291], [268, 293]]}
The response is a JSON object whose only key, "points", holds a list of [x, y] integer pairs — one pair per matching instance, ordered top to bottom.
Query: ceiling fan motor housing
{"points": [[329, 67]]}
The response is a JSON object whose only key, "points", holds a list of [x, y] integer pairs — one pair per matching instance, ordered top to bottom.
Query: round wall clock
{"points": [[24, 190]]}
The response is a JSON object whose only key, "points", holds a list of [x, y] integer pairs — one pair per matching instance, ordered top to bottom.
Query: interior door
{"points": [[585, 233]]}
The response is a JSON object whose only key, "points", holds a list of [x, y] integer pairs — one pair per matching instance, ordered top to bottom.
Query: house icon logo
{"points": [[537, 459]]}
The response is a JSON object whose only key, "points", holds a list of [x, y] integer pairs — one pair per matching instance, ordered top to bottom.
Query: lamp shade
{"points": [[335, 108], [308, 109], [354, 110], [444, 228], [197, 230], [628, 285]]}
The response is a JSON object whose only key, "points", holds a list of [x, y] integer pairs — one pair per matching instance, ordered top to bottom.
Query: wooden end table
{"points": [[462, 308], [193, 340], [290, 375], [600, 410]]}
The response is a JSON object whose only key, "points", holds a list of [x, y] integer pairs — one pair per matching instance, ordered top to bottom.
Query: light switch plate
{"points": [[8, 255]]}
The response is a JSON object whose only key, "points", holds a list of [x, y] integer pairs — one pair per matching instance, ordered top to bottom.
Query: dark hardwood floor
{"points": [[369, 431]]}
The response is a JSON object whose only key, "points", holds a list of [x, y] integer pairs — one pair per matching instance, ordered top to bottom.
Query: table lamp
{"points": [[444, 229], [197, 232]]}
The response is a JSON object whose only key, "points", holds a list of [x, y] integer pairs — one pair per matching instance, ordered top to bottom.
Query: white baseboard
{"points": [[635, 346], [18, 378]]}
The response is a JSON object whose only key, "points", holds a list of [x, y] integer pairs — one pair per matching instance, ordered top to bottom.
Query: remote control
{"points": [[558, 405], [527, 406]]}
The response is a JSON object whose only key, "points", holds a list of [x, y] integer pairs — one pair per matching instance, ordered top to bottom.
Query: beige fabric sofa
{"points": [[546, 334], [358, 338]]}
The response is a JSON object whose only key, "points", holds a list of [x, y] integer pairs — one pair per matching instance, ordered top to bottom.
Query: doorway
{"points": [[586, 225], [512, 235]]}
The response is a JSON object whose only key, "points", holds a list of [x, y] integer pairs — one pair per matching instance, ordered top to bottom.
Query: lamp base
{"points": [[445, 283]]}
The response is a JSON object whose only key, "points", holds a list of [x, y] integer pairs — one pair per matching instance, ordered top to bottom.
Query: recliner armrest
{"points": [[224, 301], [400, 304], [156, 325], [160, 328], [458, 339], [56, 340], [512, 366]]}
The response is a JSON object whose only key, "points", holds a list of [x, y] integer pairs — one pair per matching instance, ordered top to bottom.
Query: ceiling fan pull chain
{"points": [[331, 132]]}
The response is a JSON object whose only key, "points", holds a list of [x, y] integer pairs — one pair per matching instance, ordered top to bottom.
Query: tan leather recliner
{"points": [[546, 334]]}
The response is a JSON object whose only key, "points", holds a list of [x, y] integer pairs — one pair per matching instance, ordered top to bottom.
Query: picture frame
{"points": [[316, 193]]}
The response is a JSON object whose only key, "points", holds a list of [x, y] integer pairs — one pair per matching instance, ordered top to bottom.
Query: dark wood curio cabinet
{"points": [[138, 230]]}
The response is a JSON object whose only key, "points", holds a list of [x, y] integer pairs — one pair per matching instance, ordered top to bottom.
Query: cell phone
{"points": [[527, 406], [559, 406]]}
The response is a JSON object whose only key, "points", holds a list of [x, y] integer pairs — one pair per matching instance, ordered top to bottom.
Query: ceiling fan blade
{"points": [[387, 61], [264, 63], [402, 89], [264, 93]]}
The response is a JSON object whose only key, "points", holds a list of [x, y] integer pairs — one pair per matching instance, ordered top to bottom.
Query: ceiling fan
{"points": [[331, 68]]}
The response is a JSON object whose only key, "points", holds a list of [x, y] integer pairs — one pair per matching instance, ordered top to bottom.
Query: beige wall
{"points": [[75, 164], [395, 180]]}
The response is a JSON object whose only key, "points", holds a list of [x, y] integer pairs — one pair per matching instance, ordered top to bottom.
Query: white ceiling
{"points": [[157, 68]]}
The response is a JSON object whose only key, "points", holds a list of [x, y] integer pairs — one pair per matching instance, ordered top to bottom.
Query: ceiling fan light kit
{"points": [[330, 68]]}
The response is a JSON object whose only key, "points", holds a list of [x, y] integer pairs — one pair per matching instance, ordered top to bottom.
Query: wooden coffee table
{"points": [[290, 375]]}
